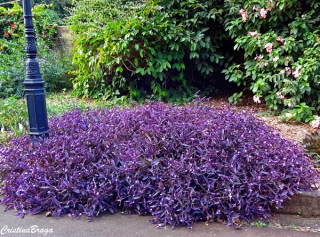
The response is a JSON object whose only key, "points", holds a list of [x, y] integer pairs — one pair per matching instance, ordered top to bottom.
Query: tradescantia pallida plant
{"points": [[178, 164]]}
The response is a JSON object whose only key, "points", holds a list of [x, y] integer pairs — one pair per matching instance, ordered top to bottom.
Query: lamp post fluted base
{"points": [[37, 113]]}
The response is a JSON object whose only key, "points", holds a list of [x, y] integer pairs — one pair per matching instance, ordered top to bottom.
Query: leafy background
{"points": [[170, 49], [53, 66]]}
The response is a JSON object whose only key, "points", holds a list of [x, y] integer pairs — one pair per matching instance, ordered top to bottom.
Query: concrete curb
{"points": [[306, 204]]}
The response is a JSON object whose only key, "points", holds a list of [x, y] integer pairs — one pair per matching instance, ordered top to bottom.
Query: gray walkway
{"points": [[118, 225]]}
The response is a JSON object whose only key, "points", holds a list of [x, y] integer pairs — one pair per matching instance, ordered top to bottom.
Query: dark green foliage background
{"points": [[161, 49], [170, 49]]}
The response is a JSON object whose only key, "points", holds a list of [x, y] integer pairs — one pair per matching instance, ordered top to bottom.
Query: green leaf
{"points": [[193, 47], [141, 53], [194, 55], [135, 61], [177, 66], [119, 69], [141, 71]]}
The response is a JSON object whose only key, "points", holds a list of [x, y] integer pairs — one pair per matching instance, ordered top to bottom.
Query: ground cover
{"points": [[179, 164]]}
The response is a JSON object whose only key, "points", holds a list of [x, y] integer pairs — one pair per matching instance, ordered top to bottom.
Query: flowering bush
{"points": [[11, 24], [280, 44], [178, 164]]}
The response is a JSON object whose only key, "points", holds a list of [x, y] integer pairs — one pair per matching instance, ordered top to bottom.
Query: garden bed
{"points": [[180, 164]]}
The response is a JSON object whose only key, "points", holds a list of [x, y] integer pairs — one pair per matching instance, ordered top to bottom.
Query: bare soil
{"points": [[292, 131]]}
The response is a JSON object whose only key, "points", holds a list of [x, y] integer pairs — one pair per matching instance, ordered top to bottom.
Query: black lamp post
{"points": [[34, 85]]}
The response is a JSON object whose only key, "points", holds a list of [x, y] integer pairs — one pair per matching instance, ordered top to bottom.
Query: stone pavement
{"points": [[118, 225]]}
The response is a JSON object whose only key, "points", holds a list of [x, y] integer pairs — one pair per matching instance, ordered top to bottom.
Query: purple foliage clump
{"points": [[179, 164]]}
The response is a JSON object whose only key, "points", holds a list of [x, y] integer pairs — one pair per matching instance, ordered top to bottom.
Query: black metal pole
{"points": [[34, 85]]}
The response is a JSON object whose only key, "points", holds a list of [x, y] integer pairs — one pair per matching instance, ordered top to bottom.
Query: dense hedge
{"points": [[161, 47], [144, 48], [178, 164]]}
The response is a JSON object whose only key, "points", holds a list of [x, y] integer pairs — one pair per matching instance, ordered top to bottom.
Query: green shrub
{"points": [[60, 7], [12, 27], [279, 45], [152, 47], [161, 47], [54, 68], [12, 69], [13, 116]]}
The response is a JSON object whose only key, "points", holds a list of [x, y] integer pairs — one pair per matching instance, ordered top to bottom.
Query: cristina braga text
{"points": [[19, 230]]}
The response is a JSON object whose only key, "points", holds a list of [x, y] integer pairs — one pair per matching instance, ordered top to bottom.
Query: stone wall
{"points": [[65, 44], [306, 204]]}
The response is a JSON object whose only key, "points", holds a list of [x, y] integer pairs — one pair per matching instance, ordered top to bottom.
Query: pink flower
{"points": [[263, 13], [243, 14], [253, 33], [280, 39], [268, 47], [258, 57], [276, 58], [288, 70], [282, 71], [296, 72], [280, 96], [256, 99], [316, 123]]}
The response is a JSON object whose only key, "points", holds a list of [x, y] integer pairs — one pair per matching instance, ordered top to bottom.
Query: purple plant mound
{"points": [[179, 164]]}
